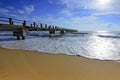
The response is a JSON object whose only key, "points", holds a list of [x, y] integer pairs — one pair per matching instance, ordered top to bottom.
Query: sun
{"points": [[104, 2]]}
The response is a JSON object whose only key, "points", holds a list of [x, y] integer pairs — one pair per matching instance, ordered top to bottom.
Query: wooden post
{"points": [[10, 21], [24, 24], [34, 24], [30, 25], [41, 25], [46, 26], [49, 27], [53, 27], [53, 31], [62, 32], [18, 37], [23, 37]]}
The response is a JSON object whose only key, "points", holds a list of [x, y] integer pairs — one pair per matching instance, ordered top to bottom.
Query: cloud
{"points": [[51, 1], [54, 1], [73, 4], [76, 4], [90, 4], [94, 6], [29, 8], [26, 10], [4, 11], [10, 11], [21, 11], [7, 12], [66, 12], [106, 13], [78, 14], [89, 23]]}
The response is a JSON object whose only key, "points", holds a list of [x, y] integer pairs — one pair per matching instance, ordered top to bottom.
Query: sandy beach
{"points": [[32, 65]]}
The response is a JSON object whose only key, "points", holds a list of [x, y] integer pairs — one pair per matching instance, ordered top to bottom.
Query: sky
{"points": [[83, 15]]}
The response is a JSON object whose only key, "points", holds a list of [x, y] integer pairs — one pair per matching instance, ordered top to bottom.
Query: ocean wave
{"points": [[109, 36], [90, 46]]}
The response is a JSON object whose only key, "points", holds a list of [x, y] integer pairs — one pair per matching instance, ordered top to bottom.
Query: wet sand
{"points": [[31, 65]]}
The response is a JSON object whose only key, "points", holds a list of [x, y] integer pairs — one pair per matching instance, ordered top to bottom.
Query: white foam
{"points": [[90, 46]]}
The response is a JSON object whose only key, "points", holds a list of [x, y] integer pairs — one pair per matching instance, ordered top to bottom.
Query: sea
{"points": [[101, 45]]}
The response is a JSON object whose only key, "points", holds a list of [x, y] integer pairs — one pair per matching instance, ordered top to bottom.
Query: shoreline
{"points": [[62, 54], [33, 65]]}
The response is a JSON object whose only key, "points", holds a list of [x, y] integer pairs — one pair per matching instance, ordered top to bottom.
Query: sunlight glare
{"points": [[103, 4], [101, 48]]}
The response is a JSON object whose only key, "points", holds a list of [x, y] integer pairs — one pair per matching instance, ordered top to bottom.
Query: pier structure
{"points": [[20, 28]]}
